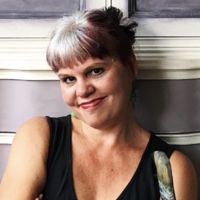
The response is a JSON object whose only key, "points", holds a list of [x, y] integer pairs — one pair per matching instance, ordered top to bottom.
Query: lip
{"points": [[91, 104]]}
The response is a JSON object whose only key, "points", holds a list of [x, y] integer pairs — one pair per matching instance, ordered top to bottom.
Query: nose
{"points": [[84, 88]]}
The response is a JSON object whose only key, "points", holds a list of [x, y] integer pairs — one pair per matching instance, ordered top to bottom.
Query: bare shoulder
{"points": [[35, 124], [36, 128], [33, 133], [26, 168], [184, 176]]}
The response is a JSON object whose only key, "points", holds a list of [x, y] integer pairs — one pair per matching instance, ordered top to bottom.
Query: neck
{"points": [[121, 132]]}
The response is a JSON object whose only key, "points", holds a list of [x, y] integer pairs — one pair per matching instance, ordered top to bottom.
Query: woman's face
{"points": [[98, 91]]}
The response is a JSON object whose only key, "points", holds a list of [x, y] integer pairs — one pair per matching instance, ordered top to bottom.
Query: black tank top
{"points": [[59, 184]]}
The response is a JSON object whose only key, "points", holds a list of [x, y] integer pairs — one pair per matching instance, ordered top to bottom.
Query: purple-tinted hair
{"points": [[97, 33]]}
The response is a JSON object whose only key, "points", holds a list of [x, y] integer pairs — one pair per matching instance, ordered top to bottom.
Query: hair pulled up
{"points": [[97, 33]]}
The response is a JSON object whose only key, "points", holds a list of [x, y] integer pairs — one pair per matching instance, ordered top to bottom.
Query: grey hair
{"points": [[95, 33]]}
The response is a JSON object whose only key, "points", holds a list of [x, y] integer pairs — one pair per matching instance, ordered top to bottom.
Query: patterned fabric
{"points": [[164, 175]]}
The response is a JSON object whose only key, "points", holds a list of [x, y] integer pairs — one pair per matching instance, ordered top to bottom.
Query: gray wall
{"points": [[39, 9], [21, 100], [162, 106]]}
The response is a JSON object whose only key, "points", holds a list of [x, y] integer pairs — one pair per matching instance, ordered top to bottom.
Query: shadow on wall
{"points": [[169, 106]]}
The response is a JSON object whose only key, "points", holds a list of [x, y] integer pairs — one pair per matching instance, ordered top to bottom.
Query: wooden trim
{"points": [[168, 57], [158, 58], [34, 75], [6, 138], [171, 138], [181, 139]]}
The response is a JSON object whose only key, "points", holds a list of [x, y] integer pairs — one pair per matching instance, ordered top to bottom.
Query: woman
{"points": [[99, 152]]}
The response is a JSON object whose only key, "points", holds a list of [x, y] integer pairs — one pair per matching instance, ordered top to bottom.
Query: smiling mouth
{"points": [[92, 104]]}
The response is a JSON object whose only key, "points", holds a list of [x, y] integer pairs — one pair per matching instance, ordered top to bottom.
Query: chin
{"points": [[101, 123], [96, 124]]}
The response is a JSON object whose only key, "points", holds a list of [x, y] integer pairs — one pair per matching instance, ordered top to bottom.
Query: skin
{"points": [[92, 80], [105, 135], [25, 173], [184, 176]]}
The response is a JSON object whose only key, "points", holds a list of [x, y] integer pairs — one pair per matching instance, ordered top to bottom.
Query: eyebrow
{"points": [[93, 66], [88, 68], [62, 76]]}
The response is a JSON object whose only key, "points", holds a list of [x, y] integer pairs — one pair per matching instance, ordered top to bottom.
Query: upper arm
{"points": [[25, 173], [184, 177]]}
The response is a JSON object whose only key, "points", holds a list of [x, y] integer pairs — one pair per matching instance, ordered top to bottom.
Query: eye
{"points": [[96, 71], [68, 80]]}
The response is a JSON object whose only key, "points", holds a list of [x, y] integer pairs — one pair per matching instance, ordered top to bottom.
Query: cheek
{"points": [[119, 83], [68, 95]]}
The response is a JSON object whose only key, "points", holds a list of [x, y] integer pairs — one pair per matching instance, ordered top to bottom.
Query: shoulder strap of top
{"points": [[60, 137], [160, 145]]}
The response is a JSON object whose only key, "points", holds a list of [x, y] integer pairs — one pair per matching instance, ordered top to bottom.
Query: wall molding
{"points": [[23, 54], [168, 57], [158, 58], [31, 75], [6, 138], [172, 138], [181, 139]]}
